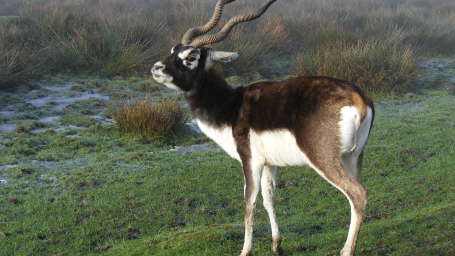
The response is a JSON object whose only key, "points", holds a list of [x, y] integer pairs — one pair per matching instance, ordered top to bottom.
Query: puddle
{"points": [[433, 64], [57, 88], [60, 102], [7, 114], [49, 119], [102, 119], [193, 126], [7, 127], [63, 129], [197, 148], [45, 164], [6, 167], [135, 167], [48, 178]]}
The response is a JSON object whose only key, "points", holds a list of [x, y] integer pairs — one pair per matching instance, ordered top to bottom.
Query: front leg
{"points": [[252, 173]]}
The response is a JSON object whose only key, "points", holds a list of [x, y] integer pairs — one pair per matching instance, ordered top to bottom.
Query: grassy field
{"points": [[72, 184]]}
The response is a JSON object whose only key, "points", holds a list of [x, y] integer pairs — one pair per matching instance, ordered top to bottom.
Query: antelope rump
{"points": [[320, 122]]}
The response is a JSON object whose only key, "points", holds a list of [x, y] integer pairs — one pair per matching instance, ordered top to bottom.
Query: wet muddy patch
{"points": [[50, 105], [197, 148]]}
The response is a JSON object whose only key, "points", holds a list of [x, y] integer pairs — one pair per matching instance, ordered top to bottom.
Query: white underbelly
{"points": [[277, 148]]}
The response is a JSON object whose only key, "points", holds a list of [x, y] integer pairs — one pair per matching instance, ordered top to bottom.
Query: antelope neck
{"points": [[215, 102]]}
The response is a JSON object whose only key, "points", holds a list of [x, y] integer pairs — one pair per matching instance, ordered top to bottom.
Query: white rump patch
{"points": [[349, 124], [364, 131], [353, 133], [222, 136], [277, 148]]}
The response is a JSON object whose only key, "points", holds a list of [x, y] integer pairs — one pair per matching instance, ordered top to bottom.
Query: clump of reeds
{"points": [[373, 65], [144, 118]]}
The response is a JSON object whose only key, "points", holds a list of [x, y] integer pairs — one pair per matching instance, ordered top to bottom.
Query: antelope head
{"points": [[189, 60]]}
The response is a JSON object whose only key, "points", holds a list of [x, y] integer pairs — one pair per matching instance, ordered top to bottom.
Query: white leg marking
{"points": [[268, 186], [250, 203], [354, 227]]}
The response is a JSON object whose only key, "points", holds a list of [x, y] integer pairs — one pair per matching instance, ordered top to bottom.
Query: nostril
{"points": [[157, 66]]}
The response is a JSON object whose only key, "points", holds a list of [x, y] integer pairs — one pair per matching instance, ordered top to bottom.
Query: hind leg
{"points": [[352, 163], [268, 186], [356, 194]]}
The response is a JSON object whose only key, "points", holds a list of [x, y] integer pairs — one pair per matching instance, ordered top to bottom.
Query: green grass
{"points": [[96, 191]]}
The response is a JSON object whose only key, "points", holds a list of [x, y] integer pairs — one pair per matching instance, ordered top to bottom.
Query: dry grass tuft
{"points": [[373, 65], [156, 120]]}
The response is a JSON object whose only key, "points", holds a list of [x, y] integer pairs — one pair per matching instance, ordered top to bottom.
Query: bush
{"points": [[18, 63], [372, 65], [156, 120]]}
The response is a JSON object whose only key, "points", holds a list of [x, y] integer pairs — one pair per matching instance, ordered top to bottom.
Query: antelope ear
{"points": [[225, 57]]}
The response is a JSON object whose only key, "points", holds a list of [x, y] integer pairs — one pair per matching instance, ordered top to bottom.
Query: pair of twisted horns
{"points": [[196, 37]]}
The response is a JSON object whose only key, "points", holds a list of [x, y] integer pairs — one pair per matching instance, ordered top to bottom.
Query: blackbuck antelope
{"points": [[317, 121]]}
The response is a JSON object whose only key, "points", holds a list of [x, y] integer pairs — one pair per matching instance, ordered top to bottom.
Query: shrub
{"points": [[18, 63], [373, 65], [156, 120]]}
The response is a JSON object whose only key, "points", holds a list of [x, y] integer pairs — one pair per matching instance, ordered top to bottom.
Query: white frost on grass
{"points": [[59, 102], [7, 114], [49, 119], [193, 126], [7, 127], [197, 148], [6, 167]]}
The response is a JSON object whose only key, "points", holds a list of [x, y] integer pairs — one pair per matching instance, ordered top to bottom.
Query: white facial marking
{"points": [[183, 55], [190, 58], [161, 77], [268, 185]]}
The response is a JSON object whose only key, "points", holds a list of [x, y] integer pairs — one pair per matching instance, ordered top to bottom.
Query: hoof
{"points": [[276, 247], [277, 251], [246, 253], [346, 253]]}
